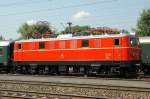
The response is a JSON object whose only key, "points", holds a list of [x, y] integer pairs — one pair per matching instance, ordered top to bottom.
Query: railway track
{"points": [[141, 77], [18, 89], [29, 90], [36, 95]]}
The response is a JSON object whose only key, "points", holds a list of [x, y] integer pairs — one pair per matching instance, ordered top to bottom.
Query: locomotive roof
{"points": [[76, 37], [145, 39], [4, 43]]}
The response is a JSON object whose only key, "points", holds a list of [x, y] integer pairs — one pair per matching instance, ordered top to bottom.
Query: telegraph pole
{"points": [[69, 23]]}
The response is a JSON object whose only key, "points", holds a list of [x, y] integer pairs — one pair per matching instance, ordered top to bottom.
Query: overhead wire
{"points": [[20, 3], [59, 8]]}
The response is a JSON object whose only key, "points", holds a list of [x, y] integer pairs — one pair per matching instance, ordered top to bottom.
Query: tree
{"points": [[143, 24], [39, 27], [77, 29], [124, 31], [1, 38]]}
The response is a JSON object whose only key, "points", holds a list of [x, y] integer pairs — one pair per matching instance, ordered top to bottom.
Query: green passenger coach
{"points": [[145, 45], [4, 54], [145, 54]]}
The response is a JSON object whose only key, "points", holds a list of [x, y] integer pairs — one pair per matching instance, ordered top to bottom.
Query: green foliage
{"points": [[143, 25], [39, 27], [77, 29], [124, 31], [1, 38]]}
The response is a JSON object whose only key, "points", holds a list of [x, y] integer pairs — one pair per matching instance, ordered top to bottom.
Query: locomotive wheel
{"points": [[17, 69], [24, 70], [32, 70], [43, 70], [51, 70], [57, 70], [40, 71], [85, 71], [146, 71], [123, 72], [128, 72]]}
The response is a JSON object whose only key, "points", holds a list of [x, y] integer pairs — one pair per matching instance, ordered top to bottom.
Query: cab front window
{"points": [[133, 42]]}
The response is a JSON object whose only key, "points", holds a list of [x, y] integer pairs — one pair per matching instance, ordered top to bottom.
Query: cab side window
{"points": [[116, 42], [133, 42], [85, 43], [41, 45], [19, 46]]}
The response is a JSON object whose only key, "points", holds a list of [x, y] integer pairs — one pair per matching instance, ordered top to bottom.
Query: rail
{"points": [[39, 90]]}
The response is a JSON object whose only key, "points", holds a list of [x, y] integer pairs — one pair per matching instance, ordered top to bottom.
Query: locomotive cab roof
{"points": [[70, 37]]}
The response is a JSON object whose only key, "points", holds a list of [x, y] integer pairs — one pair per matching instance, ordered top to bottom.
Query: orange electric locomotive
{"points": [[95, 54]]}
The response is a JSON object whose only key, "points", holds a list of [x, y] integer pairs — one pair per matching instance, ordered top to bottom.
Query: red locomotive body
{"points": [[100, 51]]}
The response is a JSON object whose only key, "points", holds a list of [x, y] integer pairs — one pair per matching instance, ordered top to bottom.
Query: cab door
{"points": [[117, 51], [19, 52]]}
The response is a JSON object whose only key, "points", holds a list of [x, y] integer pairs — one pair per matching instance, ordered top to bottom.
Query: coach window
{"points": [[116, 42], [85, 43], [41, 45], [19, 46], [1, 51]]}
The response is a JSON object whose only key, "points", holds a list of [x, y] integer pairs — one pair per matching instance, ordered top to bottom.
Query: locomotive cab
{"points": [[126, 54]]}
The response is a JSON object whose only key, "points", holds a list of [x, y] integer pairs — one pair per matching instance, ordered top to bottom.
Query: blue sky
{"points": [[96, 13]]}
